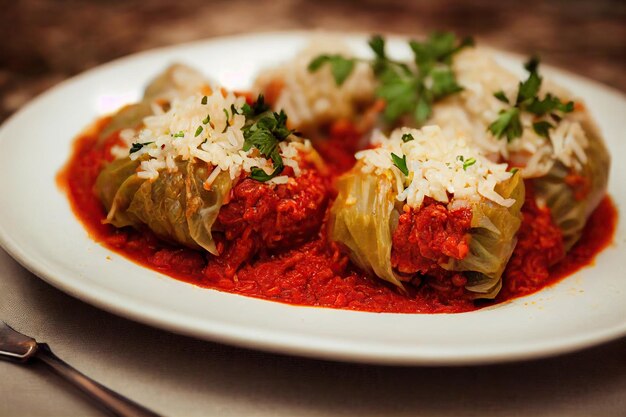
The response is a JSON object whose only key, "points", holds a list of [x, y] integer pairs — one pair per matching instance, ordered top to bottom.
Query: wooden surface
{"points": [[46, 41]]}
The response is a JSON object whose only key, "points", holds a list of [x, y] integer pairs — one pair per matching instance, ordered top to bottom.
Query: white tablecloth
{"points": [[180, 376]]}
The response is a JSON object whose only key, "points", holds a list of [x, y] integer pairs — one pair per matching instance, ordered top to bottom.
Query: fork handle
{"points": [[110, 401]]}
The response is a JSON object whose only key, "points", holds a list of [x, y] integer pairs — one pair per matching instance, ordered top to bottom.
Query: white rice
{"points": [[313, 98], [475, 108], [181, 133], [435, 162]]}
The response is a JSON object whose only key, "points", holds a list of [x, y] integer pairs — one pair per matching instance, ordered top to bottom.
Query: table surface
{"points": [[180, 376]]}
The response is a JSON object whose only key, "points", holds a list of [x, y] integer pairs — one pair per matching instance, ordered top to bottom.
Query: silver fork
{"points": [[19, 348]]}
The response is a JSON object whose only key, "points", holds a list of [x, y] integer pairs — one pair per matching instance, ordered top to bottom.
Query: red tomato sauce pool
{"points": [[315, 273]]}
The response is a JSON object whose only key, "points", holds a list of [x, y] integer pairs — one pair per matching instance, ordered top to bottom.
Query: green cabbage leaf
{"points": [[175, 205], [362, 219]]}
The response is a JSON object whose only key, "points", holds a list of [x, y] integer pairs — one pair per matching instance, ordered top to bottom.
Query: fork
{"points": [[19, 348]]}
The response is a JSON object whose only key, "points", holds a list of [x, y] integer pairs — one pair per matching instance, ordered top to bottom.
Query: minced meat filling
{"points": [[260, 217], [429, 236]]}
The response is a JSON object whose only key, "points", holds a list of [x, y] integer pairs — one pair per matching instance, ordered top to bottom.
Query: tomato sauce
{"points": [[313, 271]]}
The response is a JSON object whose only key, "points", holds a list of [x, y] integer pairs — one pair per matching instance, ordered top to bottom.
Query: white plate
{"points": [[38, 229]]}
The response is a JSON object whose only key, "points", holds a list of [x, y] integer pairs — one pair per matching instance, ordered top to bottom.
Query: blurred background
{"points": [[47, 41]]}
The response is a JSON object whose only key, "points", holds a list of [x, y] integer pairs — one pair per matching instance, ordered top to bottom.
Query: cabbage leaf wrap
{"points": [[132, 115], [175, 205], [570, 210], [365, 215], [363, 218], [492, 239]]}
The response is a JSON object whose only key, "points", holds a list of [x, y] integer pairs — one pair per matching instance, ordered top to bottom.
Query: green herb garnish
{"points": [[340, 67], [407, 91], [413, 92], [501, 96], [204, 100], [548, 105], [257, 108], [227, 121], [509, 125], [542, 128], [198, 131], [265, 133], [180, 134], [407, 137], [137, 146], [400, 163], [468, 163], [259, 175]]}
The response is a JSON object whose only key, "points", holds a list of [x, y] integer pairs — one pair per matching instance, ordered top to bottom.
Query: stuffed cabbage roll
{"points": [[534, 125], [219, 174], [573, 193], [175, 205], [424, 207]]}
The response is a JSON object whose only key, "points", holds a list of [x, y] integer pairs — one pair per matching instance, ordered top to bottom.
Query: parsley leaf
{"points": [[377, 44], [438, 48], [532, 65], [340, 67], [444, 83], [417, 90], [527, 90], [407, 91], [401, 94], [501, 96], [549, 104], [257, 108], [423, 109], [509, 123], [542, 128], [265, 133], [407, 137], [135, 147], [400, 163], [468, 163], [258, 174]]}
